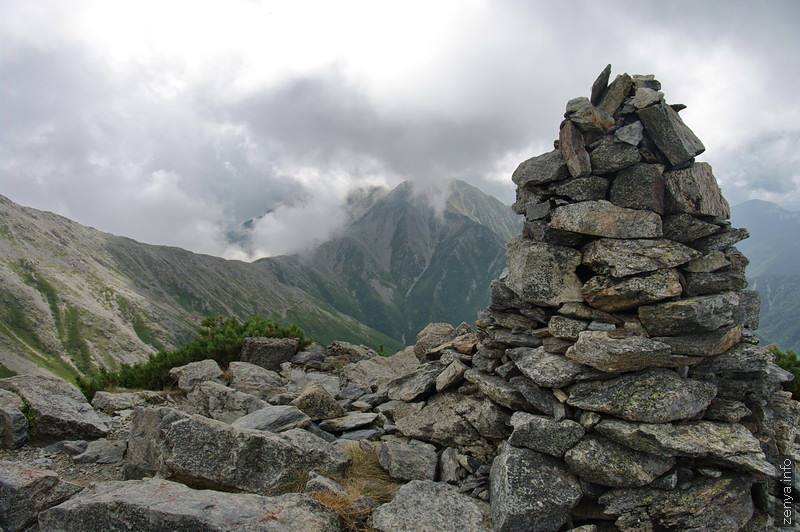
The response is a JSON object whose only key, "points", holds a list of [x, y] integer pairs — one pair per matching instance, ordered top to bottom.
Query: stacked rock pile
{"points": [[624, 299]]}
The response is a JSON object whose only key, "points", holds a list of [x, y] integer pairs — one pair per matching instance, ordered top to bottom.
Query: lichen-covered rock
{"points": [[615, 94], [587, 117], [610, 156], [541, 169], [583, 189], [694, 191], [603, 218], [686, 228], [620, 258], [541, 273], [614, 295], [691, 315], [563, 327], [432, 336], [704, 344], [269, 353], [620, 354], [543, 368], [195, 373], [255, 380], [417, 384], [497, 389], [654, 396], [216, 401], [114, 402], [317, 403], [349, 421], [13, 423], [544, 435], [414, 460], [608, 463], [531, 491], [154, 505], [423, 505]]}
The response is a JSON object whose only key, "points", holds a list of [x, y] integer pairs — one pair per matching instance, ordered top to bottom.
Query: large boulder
{"points": [[675, 140], [694, 191], [603, 218], [620, 258], [269, 353], [613, 354], [195, 373], [255, 380], [216, 401], [317, 403], [58, 409], [274, 419], [414, 460], [25, 491], [155, 505], [426, 506]]}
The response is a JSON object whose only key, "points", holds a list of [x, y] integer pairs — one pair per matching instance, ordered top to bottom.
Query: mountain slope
{"points": [[73, 298]]}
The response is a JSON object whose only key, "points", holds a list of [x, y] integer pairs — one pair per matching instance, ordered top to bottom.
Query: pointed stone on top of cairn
{"points": [[639, 327]]}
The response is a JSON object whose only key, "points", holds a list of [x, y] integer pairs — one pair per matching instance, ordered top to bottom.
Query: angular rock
{"points": [[600, 85], [645, 97], [612, 98], [587, 117], [631, 134], [675, 140], [573, 150], [609, 156], [539, 170], [640, 186], [584, 188], [694, 191], [537, 211], [603, 218], [686, 228], [539, 231], [720, 241], [621, 258], [709, 262], [543, 274], [713, 282], [612, 295], [749, 309], [583, 312], [690, 315], [563, 327], [432, 336], [704, 344], [269, 353], [349, 353], [617, 355], [543, 368], [371, 372], [196, 373], [452, 375], [298, 379], [255, 380], [415, 385], [497, 389], [654, 396], [542, 400], [216, 401], [114, 402], [317, 403], [59, 409], [726, 410], [274, 419], [350, 421], [13, 423], [544, 435], [147, 441], [729, 444], [102, 451], [415, 460], [608, 463], [321, 483], [25, 491], [531, 491], [155, 504], [707, 504], [427, 505]]}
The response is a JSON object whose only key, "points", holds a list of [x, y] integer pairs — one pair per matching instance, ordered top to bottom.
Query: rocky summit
{"points": [[613, 383]]}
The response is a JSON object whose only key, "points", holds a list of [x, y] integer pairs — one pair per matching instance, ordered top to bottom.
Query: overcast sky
{"points": [[173, 121]]}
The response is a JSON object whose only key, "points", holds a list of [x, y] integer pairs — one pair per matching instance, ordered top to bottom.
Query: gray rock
{"points": [[646, 80], [600, 85], [617, 91], [645, 97], [587, 117], [631, 134], [675, 140], [573, 150], [609, 156], [541, 169], [640, 186], [584, 188], [694, 190], [537, 211], [603, 218], [687, 228], [539, 231], [720, 241], [621, 258], [712, 261], [543, 274], [702, 283], [613, 295], [748, 310], [583, 312], [691, 315], [563, 327], [431, 337], [704, 344], [556, 346], [269, 353], [312, 353], [349, 353], [612, 354], [543, 368], [371, 372], [196, 373], [452, 375], [298, 379], [255, 380], [415, 385], [497, 389], [654, 396], [541, 400], [216, 401], [114, 402], [317, 403], [60, 410], [726, 410], [274, 419], [349, 421], [13, 423], [544, 435], [146, 443], [729, 444], [70, 447], [102, 451], [414, 460], [608, 463], [321, 483], [25, 491], [531, 491], [155, 504], [707, 504], [426, 506]]}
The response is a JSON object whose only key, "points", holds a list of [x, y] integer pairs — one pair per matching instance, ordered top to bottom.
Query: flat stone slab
{"points": [[541, 169], [694, 191], [603, 218], [620, 258], [542, 273], [613, 295], [691, 315], [704, 344], [621, 354], [543, 368], [195, 373], [416, 385], [497, 389], [654, 396], [114, 402], [274, 418], [350, 421], [542, 434], [102, 451], [415, 460], [608, 463], [155, 504], [426, 505]]}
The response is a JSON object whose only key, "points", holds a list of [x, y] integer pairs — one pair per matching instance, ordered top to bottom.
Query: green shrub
{"points": [[218, 338], [788, 360]]}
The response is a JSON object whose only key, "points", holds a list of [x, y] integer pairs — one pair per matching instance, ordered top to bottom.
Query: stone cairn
{"points": [[622, 316]]}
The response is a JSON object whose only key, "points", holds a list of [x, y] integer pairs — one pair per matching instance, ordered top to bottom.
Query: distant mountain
{"points": [[774, 252], [401, 264]]}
